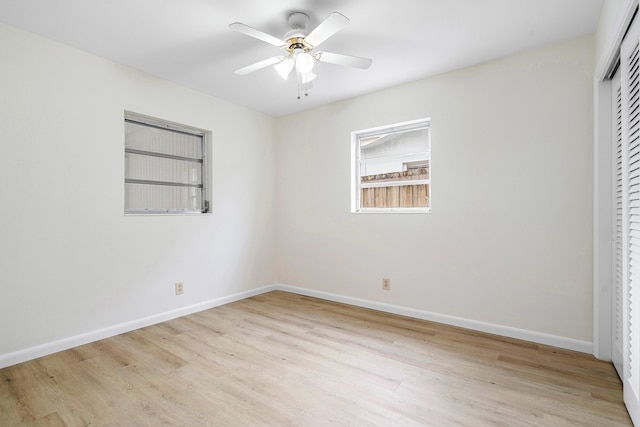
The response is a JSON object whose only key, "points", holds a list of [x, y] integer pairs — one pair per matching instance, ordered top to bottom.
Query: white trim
{"points": [[612, 46], [410, 125], [392, 210], [602, 222], [491, 328], [507, 331], [77, 340]]}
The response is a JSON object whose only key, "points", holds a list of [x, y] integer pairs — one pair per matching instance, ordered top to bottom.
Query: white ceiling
{"points": [[189, 42]]}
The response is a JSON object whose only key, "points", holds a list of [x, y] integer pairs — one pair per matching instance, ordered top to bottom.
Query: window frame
{"points": [[161, 124], [357, 186]]}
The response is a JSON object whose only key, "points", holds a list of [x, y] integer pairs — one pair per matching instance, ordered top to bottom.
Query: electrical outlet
{"points": [[386, 284], [179, 288]]}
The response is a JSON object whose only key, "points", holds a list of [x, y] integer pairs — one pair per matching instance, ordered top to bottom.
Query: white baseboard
{"points": [[491, 328], [507, 331], [77, 340]]}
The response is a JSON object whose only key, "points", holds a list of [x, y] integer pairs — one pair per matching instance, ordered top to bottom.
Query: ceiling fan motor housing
{"points": [[298, 21], [298, 43]]}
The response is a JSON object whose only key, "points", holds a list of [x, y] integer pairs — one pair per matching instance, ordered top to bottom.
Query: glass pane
{"points": [[147, 138], [395, 153], [395, 158], [151, 168], [142, 197]]}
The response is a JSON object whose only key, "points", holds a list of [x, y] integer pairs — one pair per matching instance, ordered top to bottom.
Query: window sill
{"points": [[392, 210], [151, 213]]}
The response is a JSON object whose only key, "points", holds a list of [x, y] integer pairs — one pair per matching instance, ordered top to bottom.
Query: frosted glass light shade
{"points": [[304, 62], [284, 67], [307, 77]]}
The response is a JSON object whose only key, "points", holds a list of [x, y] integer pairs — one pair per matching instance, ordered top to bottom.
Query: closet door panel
{"points": [[630, 217], [618, 218]]}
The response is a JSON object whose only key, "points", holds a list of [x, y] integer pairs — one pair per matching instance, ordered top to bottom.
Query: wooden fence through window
{"points": [[396, 196]]}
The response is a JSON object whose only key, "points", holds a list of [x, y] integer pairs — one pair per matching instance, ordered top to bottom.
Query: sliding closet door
{"points": [[630, 149], [618, 229]]}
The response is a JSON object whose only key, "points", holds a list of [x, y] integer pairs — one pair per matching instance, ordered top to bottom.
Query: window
{"points": [[165, 167], [392, 168]]}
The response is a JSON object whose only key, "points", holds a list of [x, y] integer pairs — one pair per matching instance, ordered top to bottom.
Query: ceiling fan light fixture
{"points": [[300, 45], [304, 62], [284, 67]]}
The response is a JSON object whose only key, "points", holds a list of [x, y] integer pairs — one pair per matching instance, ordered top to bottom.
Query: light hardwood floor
{"points": [[280, 359]]}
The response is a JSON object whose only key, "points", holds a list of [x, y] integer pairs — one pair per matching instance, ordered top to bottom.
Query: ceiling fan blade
{"points": [[331, 25], [268, 38], [339, 59], [258, 65]]}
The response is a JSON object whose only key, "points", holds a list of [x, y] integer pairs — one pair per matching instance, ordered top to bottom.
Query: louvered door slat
{"points": [[627, 218], [617, 304]]}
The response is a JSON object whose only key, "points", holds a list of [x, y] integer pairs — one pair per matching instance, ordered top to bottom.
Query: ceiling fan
{"points": [[300, 46]]}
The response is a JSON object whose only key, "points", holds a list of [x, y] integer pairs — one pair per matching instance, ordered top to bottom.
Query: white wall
{"points": [[509, 241], [70, 261]]}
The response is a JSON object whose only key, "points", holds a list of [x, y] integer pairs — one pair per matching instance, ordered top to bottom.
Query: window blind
{"points": [[164, 169]]}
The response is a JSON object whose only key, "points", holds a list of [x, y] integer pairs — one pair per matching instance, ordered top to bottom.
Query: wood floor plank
{"points": [[280, 359]]}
